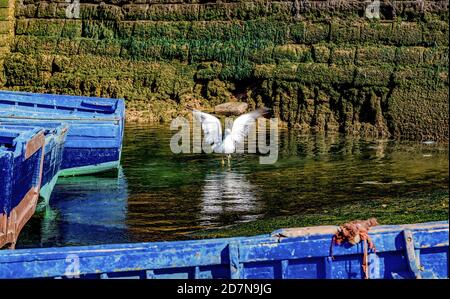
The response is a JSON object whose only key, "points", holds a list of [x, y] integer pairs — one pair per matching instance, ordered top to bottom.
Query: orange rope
{"points": [[355, 232]]}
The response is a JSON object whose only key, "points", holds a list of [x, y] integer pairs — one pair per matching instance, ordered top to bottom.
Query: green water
{"points": [[163, 196]]}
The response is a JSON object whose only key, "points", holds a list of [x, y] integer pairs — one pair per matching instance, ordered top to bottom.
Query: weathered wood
{"points": [[96, 126], [21, 167], [264, 256]]}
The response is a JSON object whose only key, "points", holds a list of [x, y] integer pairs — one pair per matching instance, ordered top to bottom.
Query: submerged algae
{"points": [[318, 179], [414, 208]]}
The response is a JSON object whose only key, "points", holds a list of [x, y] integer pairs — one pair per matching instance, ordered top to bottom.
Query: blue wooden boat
{"points": [[96, 125], [55, 135], [21, 164], [403, 251]]}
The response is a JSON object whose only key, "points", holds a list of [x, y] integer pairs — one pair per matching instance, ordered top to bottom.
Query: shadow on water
{"points": [[163, 196], [83, 210]]}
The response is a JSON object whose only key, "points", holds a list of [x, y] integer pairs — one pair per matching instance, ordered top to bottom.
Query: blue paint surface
{"points": [[96, 125], [55, 135], [76, 157], [18, 174], [302, 253]]}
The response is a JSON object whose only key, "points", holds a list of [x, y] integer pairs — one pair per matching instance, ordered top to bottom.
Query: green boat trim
{"points": [[90, 169], [46, 192]]}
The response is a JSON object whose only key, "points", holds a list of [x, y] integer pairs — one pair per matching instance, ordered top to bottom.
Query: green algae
{"points": [[160, 57], [319, 179], [417, 208]]}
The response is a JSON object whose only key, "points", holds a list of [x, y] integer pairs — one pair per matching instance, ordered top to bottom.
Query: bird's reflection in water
{"points": [[228, 194]]}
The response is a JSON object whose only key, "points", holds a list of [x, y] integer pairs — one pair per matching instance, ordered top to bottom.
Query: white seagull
{"points": [[212, 130]]}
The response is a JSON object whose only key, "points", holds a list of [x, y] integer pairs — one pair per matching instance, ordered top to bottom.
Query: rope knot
{"points": [[354, 232]]}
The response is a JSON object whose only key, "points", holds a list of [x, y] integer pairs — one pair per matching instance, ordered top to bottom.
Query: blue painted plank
{"points": [[96, 126], [55, 135], [21, 159], [250, 257]]}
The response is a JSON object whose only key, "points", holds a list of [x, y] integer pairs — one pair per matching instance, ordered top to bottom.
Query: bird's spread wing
{"points": [[243, 124], [211, 127]]}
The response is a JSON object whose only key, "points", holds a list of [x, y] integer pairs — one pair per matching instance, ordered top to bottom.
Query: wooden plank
{"points": [[35, 144], [413, 261], [235, 266], [374, 266], [328, 267], [284, 268]]}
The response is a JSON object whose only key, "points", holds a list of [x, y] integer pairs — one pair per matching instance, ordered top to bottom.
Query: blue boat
{"points": [[96, 125], [55, 135], [21, 164], [403, 251]]}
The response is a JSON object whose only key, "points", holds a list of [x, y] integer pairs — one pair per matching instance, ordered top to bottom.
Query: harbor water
{"points": [[160, 196]]}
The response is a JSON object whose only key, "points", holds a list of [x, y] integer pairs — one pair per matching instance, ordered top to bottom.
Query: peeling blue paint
{"points": [[96, 126], [55, 135], [21, 163], [18, 174], [265, 256]]}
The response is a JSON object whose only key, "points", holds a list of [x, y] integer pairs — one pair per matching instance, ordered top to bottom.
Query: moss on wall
{"points": [[6, 34], [321, 65]]}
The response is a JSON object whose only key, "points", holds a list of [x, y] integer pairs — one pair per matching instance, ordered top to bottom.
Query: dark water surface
{"points": [[162, 196]]}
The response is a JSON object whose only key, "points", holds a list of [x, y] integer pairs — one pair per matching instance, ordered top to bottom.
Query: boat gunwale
{"points": [[72, 102], [87, 118], [22, 139], [268, 240], [145, 258]]}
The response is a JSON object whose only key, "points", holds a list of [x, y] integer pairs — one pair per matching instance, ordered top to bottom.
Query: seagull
{"points": [[212, 130]]}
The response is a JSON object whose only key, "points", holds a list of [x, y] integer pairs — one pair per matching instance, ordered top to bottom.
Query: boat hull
{"points": [[96, 126], [55, 135], [21, 168], [90, 169], [46, 192], [403, 251]]}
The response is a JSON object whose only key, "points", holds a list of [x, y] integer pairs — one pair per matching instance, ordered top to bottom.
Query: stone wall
{"points": [[6, 33], [322, 65]]}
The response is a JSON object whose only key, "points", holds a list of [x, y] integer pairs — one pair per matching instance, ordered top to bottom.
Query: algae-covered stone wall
{"points": [[6, 33], [323, 65]]}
